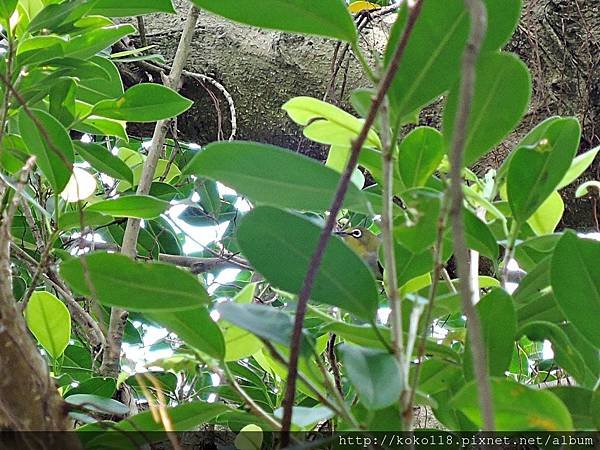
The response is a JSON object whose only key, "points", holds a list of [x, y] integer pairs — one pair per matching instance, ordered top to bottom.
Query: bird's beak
{"points": [[341, 233]]}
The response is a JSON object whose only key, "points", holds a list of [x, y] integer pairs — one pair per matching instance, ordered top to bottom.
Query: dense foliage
{"points": [[69, 171]]}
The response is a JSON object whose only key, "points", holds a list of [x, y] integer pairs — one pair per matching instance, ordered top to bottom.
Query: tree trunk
{"points": [[29, 399]]}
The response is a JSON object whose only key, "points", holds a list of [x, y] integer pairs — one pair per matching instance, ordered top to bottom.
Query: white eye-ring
{"points": [[356, 233]]}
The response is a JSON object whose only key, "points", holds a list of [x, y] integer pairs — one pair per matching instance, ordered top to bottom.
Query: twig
{"points": [[477, 12], [142, 31], [336, 205], [387, 218], [437, 271], [81, 317], [112, 353], [252, 405]]}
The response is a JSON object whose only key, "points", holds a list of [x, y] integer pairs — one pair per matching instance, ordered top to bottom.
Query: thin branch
{"points": [[477, 12], [387, 234], [317, 257], [437, 273], [118, 317], [252, 405]]}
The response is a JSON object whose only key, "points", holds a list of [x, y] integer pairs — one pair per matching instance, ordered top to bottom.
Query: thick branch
{"points": [[336, 205], [461, 252], [118, 317]]}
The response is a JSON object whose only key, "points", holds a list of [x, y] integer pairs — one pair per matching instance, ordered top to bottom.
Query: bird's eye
{"points": [[356, 233]]}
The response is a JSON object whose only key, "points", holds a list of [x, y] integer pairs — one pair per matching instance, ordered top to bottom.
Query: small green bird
{"points": [[366, 244]]}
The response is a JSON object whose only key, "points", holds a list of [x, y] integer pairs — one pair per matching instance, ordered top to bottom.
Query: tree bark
{"points": [[29, 399]]}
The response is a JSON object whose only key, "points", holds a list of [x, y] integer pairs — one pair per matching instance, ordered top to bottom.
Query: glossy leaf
{"points": [[7, 7], [118, 8], [54, 16], [324, 18], [91, 42], [432, 59], [94, 90], [502, 92], [146, 102], [326, 123], [50, 143], [419, 155], [104, 161], [578, 166], [536, 170], [273, 176], [584, 189], [138, 206], [547, 217], [77, 219], [417, 229], [479, 237], [276, 243], [410, 265], [115, 280], [575, 280], [49, 321], [264, 321], [498, 327], [196, 328], [565, 354], [369, 370], [102, 387], [97, 403], [579, 403], [516, 407]]}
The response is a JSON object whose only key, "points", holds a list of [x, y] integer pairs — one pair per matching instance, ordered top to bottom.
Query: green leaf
{"points": [[7, 7], [118, 8], [55, 16], [503, 17], [323, 18], [93, 41], [432, 58], [93, 90], [502, 93], [146, 102], [326, 123], [50, 143], [420, 154], [104, 161], [578, 166], [536, 170], [273, 176], [584, 188], [138, 206], [546, 218], [79, 220], [417, 228], [479, 237], [279, 245], [410, 265], [116, 280], [575, 280], [49, 321], [263, 321], [498, 327], [196, 328], [565, 354], [375, 374], [437, 376], [102, 387], [579, 402], [97, 403], [516, 407], [307, 418], [250, 438]]}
